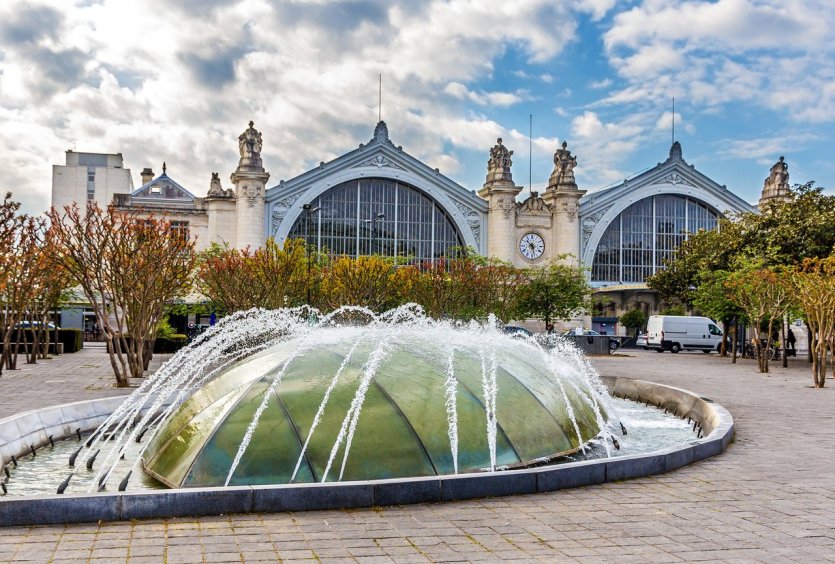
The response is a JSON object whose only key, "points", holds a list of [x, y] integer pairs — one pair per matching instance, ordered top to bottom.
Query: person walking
{"points": [[790, 341]]}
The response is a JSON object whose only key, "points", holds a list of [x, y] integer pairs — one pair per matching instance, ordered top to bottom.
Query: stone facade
{"points": [[564, 222]]}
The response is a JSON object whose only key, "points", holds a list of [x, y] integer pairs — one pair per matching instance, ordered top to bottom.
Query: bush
{"points": [[172, 344]]}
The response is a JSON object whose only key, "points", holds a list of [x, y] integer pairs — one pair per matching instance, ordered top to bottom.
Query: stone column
{"points": [[250, 181], [500, 193], [563, 197]]}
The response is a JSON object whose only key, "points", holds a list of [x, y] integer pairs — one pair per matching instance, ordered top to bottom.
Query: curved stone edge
{"points": [[716, 422]]}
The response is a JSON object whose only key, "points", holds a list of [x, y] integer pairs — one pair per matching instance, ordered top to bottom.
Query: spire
{"points": [[164, 168]]}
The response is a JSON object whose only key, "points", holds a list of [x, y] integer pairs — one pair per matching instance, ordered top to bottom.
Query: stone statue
{"points": [[249, 142], [499, 158], [563, 176], [777, 183], [215, 189], [534, 204]]}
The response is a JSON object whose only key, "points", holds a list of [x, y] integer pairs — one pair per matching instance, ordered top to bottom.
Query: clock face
{"points": [[531, 246]]}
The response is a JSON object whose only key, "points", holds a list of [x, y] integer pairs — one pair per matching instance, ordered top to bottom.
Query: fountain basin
{"points": [[716, 422]]}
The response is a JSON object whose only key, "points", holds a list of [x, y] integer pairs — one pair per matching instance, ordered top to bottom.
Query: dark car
{"points": [[515, 331]]}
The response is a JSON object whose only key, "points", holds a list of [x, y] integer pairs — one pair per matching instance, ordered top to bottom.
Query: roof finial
{"points": [[251, 123], [163, 167]]}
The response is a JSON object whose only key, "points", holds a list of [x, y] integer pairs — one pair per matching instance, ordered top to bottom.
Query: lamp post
{"points": [[309, 210], [373, 223]]}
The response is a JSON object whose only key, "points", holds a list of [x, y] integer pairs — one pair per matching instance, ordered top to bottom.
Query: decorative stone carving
{"points": [[381, 133], [249, 145], [675, 153], [379, 161], [499, 163], [562, 178], [675, 178], [215, 188], [251, 192], [506, 205], [534, 205], [281, 208], [570, 209], [473, 219], [590, 222]]}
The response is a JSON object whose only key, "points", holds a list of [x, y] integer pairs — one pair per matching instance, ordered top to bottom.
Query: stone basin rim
{"points": [[716, 422]]}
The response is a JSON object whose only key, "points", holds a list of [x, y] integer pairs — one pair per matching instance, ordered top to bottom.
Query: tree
{"points": [[128, 266], [270, 277], [369, 281], [814, 286], [556, 291], [765, 297], [711, 298], [633, 319]]}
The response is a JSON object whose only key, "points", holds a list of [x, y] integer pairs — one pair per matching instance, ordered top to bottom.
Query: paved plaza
{"points": [[769, 498]]}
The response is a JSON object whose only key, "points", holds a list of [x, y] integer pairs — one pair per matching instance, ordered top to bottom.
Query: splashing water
{"points": [[237, 353]]}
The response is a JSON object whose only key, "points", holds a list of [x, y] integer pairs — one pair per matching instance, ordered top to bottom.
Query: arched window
{"points": [[378, 216], [638, 241]]}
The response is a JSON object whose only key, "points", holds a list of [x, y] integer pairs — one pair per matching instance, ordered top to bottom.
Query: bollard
{"points": [[74, 455], [92, 459], [124, 483], [64, 484]]}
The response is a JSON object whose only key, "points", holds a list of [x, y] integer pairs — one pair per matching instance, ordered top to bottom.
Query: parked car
{"points": [[36, 324], [516, 331], [675, 333], [614, 341], [642, 341]]}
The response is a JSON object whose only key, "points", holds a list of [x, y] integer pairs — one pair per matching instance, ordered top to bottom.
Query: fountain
{"points": [[269, 397], [292, 409]]}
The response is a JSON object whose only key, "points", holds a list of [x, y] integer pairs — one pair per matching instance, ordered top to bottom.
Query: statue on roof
{"points": [[249, 142], [499, 158], [562, 178], [777, 183], [215, 189]]}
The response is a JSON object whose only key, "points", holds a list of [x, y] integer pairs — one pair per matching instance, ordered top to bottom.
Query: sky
{"points": [[178, 81]]}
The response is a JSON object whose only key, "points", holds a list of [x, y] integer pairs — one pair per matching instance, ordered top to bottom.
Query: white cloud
{"points": [[119, 76]]}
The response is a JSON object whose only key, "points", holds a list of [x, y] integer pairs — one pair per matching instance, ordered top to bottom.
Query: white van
{"points": [[682, 332]]}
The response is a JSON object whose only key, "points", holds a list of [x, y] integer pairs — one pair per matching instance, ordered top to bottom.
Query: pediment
{"points": [[163, 188]]}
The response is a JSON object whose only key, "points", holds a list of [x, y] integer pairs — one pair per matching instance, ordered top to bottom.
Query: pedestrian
{"points": [[790, 341]]}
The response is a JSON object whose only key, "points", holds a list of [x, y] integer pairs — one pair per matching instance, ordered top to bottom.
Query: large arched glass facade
{"points": [[378, 216], [638, 241]]}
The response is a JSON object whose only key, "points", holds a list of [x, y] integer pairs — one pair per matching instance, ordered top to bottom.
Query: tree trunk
{"points": [[734, 343], [723, 349], [785, 356]]}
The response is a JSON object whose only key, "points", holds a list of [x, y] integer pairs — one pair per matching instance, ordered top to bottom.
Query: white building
{"points": [[89, 176], [379, 199]]}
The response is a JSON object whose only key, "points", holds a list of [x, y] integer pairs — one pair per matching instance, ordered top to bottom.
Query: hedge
{"points": [[73, 339]]}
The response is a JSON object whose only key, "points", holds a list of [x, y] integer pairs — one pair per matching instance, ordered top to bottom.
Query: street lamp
{"points": [[309, 210], [373, 223]]}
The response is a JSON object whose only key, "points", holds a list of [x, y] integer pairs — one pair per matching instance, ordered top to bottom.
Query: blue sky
{"points": [[178, 80]]}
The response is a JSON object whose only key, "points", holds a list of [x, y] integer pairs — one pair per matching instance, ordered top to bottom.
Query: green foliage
{"points": [[557, 291], [673, 310], [633, 319], [164, 329]]}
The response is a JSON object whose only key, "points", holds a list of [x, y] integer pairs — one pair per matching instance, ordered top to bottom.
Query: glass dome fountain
{"points": [[391, 399]]}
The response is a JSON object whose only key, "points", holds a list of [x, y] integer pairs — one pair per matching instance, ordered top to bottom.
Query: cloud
{"points": [[776, 55], [458, 90]]}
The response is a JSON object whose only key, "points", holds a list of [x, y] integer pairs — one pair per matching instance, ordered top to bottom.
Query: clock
{"points": [[532, 246]]}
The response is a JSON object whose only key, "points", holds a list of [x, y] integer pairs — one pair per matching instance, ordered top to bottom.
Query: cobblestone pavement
{"points": [[79, 376], [768, 498]]}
